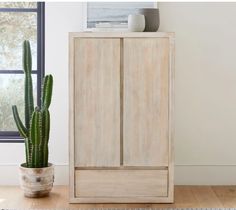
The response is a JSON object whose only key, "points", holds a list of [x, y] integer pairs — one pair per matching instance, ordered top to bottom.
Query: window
{"points": [[112, 12], [18, 21]]}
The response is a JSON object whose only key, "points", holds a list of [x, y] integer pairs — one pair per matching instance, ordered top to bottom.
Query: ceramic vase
{"points": [[152, 19], [136, 23]]}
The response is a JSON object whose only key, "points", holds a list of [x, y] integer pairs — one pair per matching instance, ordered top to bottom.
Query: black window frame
{"points": [[14, 136]]}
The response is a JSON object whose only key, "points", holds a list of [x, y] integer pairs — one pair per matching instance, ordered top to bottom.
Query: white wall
{"points": [[61, 18], [205, 134], [205, 137]]}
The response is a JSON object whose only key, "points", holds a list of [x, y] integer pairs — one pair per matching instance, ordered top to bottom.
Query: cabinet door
{"points": [[97, 102], [145, 124]]}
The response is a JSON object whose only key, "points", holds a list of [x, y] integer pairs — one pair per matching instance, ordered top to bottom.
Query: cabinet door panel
{"points": [[146, 64], [97, 102]]}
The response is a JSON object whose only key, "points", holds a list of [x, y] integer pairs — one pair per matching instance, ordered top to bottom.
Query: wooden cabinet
{"points": [[121, 93]]}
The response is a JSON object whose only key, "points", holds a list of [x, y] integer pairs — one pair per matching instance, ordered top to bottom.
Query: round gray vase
{"points": [[152, 19]]}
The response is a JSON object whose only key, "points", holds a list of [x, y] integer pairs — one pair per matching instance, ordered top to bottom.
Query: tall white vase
{"points": [[136, 23]]}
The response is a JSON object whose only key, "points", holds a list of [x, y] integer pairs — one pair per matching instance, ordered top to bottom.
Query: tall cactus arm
{"points": [[27, 59], [47, 91], [29, 100], [46, 122], [21, 128], [46, 129], [32, 136], [36, 136], [28, 153], [45, 155]]}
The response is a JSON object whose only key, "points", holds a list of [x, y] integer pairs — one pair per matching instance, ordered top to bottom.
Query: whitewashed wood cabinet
{"points": [[121, 96]]}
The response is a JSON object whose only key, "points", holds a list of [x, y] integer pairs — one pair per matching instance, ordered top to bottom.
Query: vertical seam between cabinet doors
{"points": [[73, 78], [121, 101]]}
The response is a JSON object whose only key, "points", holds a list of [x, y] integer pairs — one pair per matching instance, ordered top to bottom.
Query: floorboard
{"points": [[185, 197]]}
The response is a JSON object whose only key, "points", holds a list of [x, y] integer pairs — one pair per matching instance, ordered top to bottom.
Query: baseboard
{"points": [[9, 175], [184, 175], [205, 175]]}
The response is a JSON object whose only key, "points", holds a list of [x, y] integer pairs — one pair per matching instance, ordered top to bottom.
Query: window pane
{"points": [[18, 4], [117, 12], [15, 27], [12, 93]]}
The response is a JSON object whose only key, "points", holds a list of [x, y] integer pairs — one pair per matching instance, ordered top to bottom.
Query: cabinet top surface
{"points": [[121, 34]]}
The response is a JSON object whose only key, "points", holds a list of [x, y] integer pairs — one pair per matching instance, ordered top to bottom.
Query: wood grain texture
{"points": [[146, 98], [97, 102], [170, 117], [121, 183], [226, 195], [204, 196], [12, 197], [116, 200]]}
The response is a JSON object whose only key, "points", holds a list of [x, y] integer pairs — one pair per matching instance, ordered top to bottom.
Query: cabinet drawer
{"points": [[120, 183]]}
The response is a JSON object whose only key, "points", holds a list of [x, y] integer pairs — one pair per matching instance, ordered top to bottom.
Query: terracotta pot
{"points": [[36, 182]]}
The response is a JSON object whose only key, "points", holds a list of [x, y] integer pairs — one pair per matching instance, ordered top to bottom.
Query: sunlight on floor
{"points": [[1, 200]]}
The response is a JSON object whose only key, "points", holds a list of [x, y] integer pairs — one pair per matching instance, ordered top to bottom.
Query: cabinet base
{"points": [[121, 186], [122, 200]]}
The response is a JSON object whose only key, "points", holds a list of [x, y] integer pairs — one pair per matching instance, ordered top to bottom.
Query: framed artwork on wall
{"points": [[111, 12]]}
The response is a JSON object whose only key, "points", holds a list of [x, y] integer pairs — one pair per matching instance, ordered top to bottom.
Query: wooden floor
{"points": [[185, 196]]}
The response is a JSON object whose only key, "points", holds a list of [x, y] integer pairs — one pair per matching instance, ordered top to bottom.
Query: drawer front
{"points": [[120, 183]]}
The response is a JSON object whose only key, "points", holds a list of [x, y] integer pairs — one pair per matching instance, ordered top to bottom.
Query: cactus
{"points": [[37, 120]]}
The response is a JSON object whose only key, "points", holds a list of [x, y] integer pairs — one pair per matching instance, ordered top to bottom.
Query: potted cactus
{"points": [[36, 174]]}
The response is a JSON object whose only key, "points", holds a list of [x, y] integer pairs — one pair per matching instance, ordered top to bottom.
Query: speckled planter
{"points": [[152, 19], [36, 182]]}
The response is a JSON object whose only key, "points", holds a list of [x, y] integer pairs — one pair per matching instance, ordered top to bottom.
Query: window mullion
{"points": [[18, 9], [40, 49], [16, 72]]}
